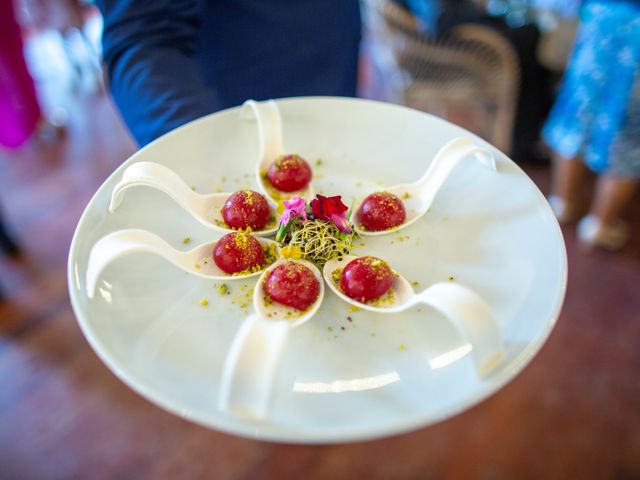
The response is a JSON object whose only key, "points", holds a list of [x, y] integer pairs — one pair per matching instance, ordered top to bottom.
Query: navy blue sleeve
{"points": [[148, 49]]}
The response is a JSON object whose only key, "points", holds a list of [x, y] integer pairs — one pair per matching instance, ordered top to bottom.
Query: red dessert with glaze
{"points": [[289, 173], [246, 209], [381, 211], [238, 252], [366, 278], [293, 285]]}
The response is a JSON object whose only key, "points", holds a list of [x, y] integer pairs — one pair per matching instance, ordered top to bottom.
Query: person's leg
{"points": [[567, 175], [612, 196], [603, 227]]}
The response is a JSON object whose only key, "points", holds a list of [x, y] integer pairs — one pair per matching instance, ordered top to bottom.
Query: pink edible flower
{"points": [[295, 207]]}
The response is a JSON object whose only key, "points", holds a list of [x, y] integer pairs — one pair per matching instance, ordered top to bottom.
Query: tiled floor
{"points": [[574, 413]]}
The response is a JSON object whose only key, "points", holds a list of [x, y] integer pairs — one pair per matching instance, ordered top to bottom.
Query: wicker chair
{"points": [[474, 67]]}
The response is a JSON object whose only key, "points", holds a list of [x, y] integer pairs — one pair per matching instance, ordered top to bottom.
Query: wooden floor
{"points": [[574, 413]]}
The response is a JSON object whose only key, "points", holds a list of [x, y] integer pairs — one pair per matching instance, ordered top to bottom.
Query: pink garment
{"points": [[19, 108]]}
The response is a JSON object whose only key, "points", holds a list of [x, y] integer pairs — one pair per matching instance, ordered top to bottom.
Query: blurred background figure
{"points": [[67, 20], [27, 109], [20, 113], [596, 122]]}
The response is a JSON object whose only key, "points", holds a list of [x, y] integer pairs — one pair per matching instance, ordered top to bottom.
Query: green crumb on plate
{"points": [[186, 240], [204, 302]]}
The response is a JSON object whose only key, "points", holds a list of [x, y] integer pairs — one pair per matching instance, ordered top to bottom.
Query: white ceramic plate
{"points": [[345, 375]]}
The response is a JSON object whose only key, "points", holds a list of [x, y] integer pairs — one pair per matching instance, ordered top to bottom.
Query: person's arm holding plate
{"points": [[149, 54]]}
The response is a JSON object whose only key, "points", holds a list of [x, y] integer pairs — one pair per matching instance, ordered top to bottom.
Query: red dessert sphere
{"points": [[289, 173], [246, 209], [381, 211], [237, 252], [366, 278], [292, 284]]}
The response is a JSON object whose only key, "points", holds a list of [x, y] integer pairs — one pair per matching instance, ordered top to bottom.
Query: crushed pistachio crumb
{"points": [[186, 240], [335, 276], [451, 278], [223, 289], [385, 300], [204, 302], [403, 347]]}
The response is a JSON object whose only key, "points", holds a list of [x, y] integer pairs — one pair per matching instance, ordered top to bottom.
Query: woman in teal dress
{"points": [[595, 121]]}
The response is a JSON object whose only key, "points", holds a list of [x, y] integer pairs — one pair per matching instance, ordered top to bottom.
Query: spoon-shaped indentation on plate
{"points": [[270, 143], [418, 196], [204, 208], [197, 261], [466, 310], [254, 356]]}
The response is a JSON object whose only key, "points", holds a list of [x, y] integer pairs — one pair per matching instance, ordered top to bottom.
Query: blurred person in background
{"points": [[67, 19], [172, 61], [20, 114], [595, 121]]}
